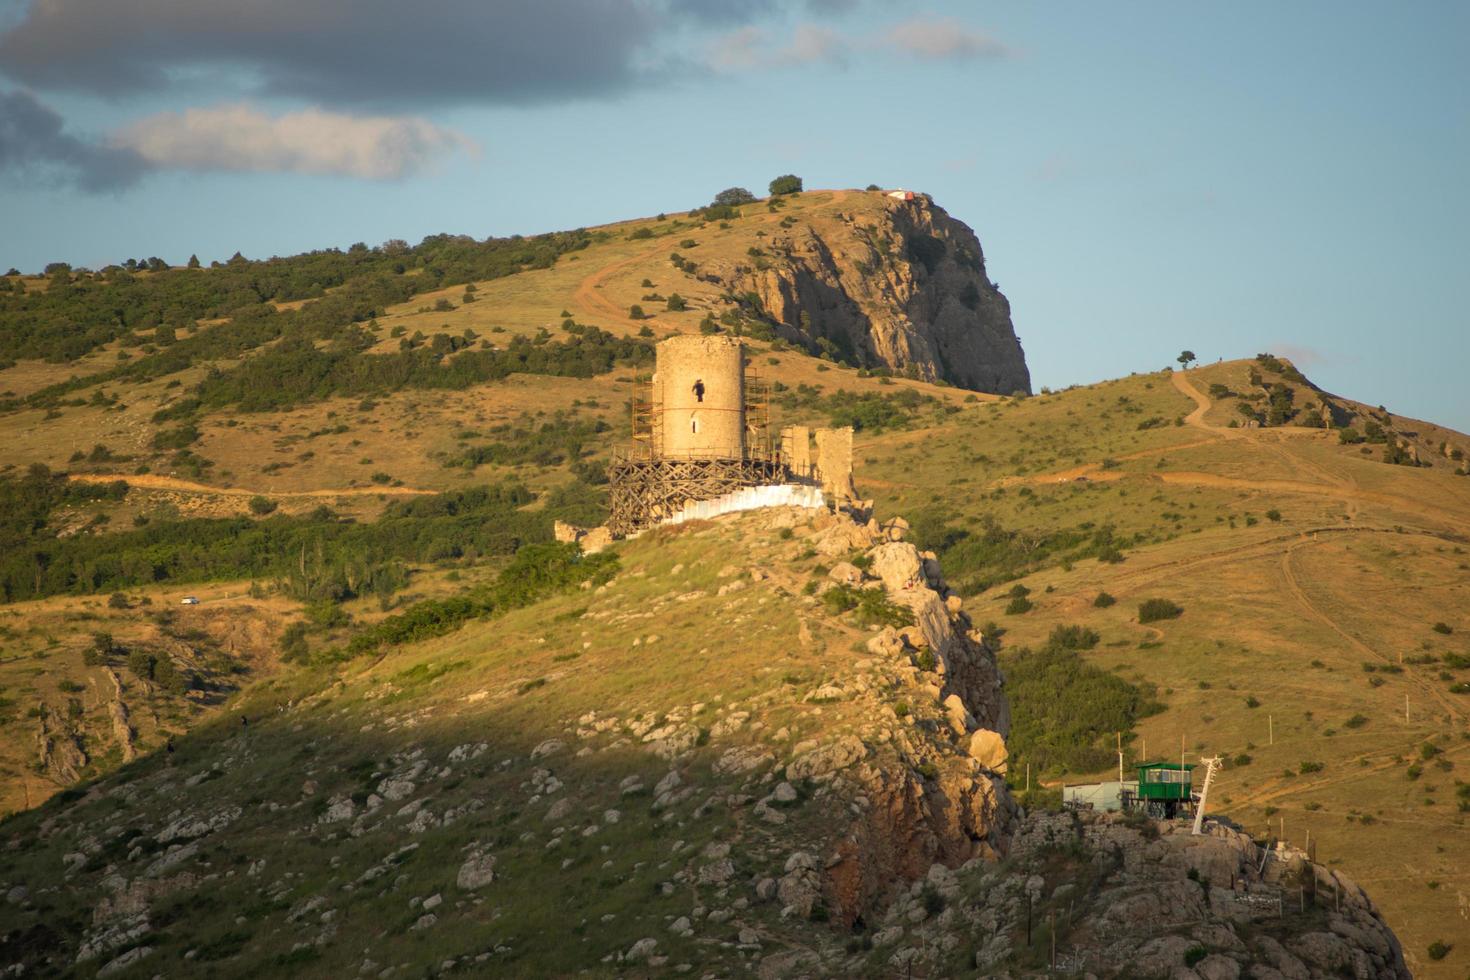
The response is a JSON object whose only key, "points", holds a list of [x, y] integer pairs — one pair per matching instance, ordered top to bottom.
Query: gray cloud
{"points": [[341, 52], [363, 52], [34, 145]]}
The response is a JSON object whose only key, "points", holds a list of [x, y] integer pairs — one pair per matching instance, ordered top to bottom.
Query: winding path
{"points": [[148, 481]]}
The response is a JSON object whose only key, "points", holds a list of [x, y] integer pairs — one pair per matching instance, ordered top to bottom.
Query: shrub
{"points": [[785, 184], [732, 197], [676, 303], [635, 312], [261, 505], [1273, 515], [1103, 600], [117, 601], [1018, 605], [1154, 610], [1443, 628], [1073, 638], [142, 664], [1252, 702], [1356, 721], [1241, 760], [1310, 767], [1439, 949], [1194, 954]]}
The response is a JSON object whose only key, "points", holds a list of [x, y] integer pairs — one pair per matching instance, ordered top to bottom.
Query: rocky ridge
{"points": [[903, 288]]}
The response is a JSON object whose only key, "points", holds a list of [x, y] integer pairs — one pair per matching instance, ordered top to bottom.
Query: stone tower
{"points": [[699, 386]]}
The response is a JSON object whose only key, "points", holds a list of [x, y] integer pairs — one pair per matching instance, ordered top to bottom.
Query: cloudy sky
{"points": [[1144, 176]]}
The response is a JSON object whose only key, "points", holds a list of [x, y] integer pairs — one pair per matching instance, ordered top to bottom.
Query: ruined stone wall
{"points": [[834, 464]]}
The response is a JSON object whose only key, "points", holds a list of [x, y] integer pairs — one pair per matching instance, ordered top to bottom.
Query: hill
{"points": [[343, 476]]}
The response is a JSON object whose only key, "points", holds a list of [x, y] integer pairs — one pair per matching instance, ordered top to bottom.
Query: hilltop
{"points": [[342, 468]]}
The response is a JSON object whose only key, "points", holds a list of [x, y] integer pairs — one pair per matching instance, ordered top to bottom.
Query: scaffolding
{"points": [[647, 484], [644, 489]]}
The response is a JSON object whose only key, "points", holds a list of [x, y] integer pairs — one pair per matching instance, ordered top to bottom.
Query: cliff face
{"points": [[898, 284]]}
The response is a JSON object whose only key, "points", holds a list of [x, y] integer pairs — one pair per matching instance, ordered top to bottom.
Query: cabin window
{"points": [[699, 390]]}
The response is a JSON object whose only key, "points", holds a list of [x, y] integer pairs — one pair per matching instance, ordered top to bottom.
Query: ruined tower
{"points": [[699, 392], [700, 433]]}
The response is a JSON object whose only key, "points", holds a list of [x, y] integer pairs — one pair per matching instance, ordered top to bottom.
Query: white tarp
{"points": [[751, 498]]}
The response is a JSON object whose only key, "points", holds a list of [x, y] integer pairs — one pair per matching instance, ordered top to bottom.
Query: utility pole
{"points": [[1406, 709], [1271, 729], [1120, 757]]}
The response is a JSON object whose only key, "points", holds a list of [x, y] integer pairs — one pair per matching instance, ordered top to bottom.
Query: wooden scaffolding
{"points": [[646, 484], [644, 490]]}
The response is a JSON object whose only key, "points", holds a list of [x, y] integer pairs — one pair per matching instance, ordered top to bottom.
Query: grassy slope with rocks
{"points": [[1312, 574], [690, 766]]}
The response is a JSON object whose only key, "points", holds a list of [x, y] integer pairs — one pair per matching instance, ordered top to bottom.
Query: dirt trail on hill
{"points": [[594, 302], [1202, 404], [148, 481], [1350, 495], [1294, 587]]}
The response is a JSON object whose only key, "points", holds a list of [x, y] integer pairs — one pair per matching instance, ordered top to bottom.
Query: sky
{"points": [[1144, 177]]}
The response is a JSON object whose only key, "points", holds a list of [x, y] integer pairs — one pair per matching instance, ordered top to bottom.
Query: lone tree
{"points": [[786, 184], [734, 197], [1184, 358]]}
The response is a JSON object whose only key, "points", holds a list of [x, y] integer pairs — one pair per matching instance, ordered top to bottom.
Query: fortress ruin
{"points": [[701, 432]]}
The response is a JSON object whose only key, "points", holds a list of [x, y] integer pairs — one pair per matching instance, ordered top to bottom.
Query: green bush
{"points": [[785, 184], [676, 303], [261, 505], [1103, 600], [1018, 605], [1154, 610], [1443, 628], [1073, 638], [1439, 949]]}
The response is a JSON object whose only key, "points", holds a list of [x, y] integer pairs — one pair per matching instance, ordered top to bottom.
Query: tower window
{"points": [[699, 390], [694, 425]]}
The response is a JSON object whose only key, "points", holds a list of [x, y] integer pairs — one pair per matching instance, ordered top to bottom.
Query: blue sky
{"points": [[1144, 177]]}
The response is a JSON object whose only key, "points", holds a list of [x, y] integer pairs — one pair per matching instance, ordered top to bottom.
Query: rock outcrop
{"points": [[898, 284]]}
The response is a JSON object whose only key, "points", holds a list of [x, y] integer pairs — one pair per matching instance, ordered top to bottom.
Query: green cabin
{"points": [[1165, 781]]}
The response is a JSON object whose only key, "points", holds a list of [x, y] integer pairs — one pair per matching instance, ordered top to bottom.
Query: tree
{"points": [[786, 184], [734, 197], [193, 261], [677, 303], [1184, 358]]}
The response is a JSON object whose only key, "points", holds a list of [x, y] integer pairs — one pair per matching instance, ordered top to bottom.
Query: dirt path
{"points": [[1202, 404], [148, 481], [1293, 586]]}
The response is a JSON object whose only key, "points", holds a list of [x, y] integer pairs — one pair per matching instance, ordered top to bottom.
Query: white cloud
{"points": [[926, 39], [942, 39], [811, 44], [739, 50], [242, 138]]}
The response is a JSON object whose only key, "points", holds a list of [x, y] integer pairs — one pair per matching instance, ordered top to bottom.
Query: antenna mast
{"points": [[1211, 767]]}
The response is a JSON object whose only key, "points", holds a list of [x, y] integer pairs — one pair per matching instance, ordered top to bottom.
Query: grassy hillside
{"points": [[1323, 578]]}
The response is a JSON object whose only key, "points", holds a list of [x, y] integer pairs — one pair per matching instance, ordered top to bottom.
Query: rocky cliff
{"points": [[896, 284]]}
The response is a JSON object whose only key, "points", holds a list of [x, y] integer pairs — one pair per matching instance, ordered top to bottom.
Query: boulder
{"points": [[898, 565], [989, 749]]}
